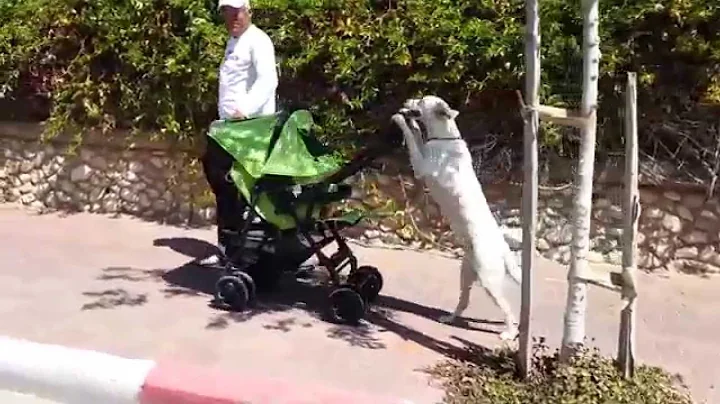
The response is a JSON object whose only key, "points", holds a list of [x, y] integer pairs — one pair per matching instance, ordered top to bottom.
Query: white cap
{"points": [[234, 3]]}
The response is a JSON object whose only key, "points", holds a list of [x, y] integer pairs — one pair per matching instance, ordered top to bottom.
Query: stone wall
{"points": [[104, 175], [679, 229]]}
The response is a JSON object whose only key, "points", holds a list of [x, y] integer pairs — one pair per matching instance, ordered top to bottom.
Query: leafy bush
{"points": [[110, 63], [152, 64], [485, 377]]}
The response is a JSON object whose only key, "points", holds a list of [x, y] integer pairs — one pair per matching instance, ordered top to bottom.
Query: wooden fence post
{"points": [[626, 343]]}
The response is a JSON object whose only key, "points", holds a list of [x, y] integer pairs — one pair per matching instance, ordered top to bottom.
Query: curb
{"points": [[76, 376]]}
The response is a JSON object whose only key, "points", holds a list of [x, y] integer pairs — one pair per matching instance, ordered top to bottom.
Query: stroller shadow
{"points": [[193, 279], [292, 294], [308, 295]]}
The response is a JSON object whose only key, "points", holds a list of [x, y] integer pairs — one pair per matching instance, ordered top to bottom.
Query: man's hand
{"points": [[238, 115]]}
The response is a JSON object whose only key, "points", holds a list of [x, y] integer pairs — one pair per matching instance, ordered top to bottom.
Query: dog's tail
{"points": [[512, 266]]}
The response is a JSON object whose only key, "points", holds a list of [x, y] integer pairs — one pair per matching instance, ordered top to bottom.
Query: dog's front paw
{"points": [[447, 319], [509, 334]]}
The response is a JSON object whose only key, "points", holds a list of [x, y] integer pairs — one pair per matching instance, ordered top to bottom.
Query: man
{"points": [[248, 82]]}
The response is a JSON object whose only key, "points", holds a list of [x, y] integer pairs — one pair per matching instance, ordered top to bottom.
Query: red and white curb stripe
{"points": [[75, 376]]}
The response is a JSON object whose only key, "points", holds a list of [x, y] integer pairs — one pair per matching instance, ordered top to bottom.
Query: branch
{"points": [[716, 170], [412, 219]]}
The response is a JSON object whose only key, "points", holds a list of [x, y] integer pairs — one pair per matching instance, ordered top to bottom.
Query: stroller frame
{"points": [[244, 272]]}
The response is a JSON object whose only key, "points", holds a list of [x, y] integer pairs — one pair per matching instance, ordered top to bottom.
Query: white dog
{"points": [[443, 160]]}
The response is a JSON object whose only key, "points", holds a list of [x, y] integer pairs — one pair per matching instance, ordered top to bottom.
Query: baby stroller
{"points": [[287, 178]]}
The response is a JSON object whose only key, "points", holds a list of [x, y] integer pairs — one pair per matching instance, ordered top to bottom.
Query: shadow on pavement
{"points": [[190, 247], [292, 294], [110, 298], [432, 313]]}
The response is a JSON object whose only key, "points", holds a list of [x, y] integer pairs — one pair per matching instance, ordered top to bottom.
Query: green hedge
{"points": [[152, 64]]}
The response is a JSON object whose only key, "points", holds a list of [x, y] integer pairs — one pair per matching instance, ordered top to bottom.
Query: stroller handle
{"points": [[361, 160]]}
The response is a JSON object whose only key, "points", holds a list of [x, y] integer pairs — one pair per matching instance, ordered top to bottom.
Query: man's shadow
{"points": [[188, 246]]}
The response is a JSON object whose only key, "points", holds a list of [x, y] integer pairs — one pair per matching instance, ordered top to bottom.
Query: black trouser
{"points": [[229, 206]]}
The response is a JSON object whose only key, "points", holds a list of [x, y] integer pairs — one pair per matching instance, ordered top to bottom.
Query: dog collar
{"points": [[423, 133], [425, 138]]}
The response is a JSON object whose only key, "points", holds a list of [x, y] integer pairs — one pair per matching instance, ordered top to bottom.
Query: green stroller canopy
{"points": [[275, 145]]}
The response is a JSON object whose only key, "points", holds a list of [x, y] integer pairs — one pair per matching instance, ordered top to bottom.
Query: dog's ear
{"points": [[442, 110], [411, 112]]}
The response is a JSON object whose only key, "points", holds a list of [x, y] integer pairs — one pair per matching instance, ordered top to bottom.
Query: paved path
{"points": [[125, 286], [9, 397]]}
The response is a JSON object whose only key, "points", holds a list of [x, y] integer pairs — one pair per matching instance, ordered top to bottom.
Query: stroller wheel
{"points": [[368, 281], [249, 284], [231, 291], [346, 306]]}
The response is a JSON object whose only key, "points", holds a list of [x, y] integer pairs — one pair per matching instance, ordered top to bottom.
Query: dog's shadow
{"points": [[434, 314]]}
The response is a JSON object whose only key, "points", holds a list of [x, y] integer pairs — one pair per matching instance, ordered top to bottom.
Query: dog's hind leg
{"points": [[468, 276], [494, 290]]}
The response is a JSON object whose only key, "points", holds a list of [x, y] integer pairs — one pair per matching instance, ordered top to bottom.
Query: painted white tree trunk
{"points": [[576, 305]]}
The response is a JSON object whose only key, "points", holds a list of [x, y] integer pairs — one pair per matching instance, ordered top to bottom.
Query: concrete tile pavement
{"points": [[123, 286], [10, 397]]}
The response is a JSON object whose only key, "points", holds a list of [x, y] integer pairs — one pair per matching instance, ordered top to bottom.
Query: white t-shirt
{"points": [[248, 75]]}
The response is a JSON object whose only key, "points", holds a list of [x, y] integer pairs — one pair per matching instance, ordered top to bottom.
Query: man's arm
{"points": [[263, 57]]}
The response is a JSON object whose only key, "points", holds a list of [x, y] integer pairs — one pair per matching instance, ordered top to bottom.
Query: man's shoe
{"points": [[217, 258]]}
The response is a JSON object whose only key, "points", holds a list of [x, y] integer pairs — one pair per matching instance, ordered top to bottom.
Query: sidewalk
{"points": [[124, 286], [9, 397]]}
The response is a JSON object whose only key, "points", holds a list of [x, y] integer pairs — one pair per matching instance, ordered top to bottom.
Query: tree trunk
{"points": [[530, 186], [576, 305]]}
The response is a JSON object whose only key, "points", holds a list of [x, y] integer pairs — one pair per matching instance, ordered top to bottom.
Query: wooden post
{"points": [[530, 185], [576, 305], [626, 343]]}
